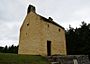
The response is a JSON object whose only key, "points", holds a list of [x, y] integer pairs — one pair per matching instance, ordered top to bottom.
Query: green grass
{"points": [[22, 59]]}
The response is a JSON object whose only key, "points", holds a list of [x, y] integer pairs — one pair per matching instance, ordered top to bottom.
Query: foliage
{"points": [[78, 39], [10, 49]]}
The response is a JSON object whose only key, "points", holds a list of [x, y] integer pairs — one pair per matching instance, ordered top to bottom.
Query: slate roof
{"points": [[47, 20], [50, 20]]}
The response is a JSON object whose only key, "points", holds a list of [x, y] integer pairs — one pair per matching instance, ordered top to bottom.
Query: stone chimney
{"points": [[31, 8], [50, 19]]}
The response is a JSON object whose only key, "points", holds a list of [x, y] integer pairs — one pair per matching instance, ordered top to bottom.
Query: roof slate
{"points": [[47, 20]]}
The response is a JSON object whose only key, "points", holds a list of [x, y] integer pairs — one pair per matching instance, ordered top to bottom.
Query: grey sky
{"points": [[64, 12]]}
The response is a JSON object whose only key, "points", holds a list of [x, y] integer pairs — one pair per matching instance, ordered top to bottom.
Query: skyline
{"points": [[65, 13]]}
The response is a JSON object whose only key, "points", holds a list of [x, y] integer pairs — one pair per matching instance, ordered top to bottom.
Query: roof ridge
{"points": [[53, 22]]}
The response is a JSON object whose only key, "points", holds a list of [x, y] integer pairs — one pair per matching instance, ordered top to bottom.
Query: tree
{"points": [[78, 39], [10, 49]]}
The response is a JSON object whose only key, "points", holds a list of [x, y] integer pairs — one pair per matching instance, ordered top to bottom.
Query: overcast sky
{"points": [[64, 12]]}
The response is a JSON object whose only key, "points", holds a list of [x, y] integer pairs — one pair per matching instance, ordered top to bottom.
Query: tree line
{"points": [[78, 39], [10, 49]]}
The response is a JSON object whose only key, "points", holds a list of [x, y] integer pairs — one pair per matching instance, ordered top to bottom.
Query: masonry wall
{"points": [[34, 34], [56, 35]]}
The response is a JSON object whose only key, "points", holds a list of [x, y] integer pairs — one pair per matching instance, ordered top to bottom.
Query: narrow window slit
{"points": [[28, 24]]}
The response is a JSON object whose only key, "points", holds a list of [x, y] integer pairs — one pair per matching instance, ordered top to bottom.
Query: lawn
{"points": [[22, 59]]}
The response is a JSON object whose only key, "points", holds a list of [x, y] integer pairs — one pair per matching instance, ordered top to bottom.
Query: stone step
{"points": [[70, 59], [54, 62]]}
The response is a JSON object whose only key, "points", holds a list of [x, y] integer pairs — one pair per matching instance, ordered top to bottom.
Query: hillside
{"points": [[22, 59]]}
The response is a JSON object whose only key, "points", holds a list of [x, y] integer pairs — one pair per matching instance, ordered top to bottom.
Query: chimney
{"points": [[31, 8], [50, 19]]}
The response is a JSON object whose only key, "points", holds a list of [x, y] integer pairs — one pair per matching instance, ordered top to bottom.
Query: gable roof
{"points": [[50, 21]]}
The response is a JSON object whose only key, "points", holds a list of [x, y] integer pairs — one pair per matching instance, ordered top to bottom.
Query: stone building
{"points": [[41, 36]]}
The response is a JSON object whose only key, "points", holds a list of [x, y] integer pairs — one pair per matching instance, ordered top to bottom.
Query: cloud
{"points": [[64, 12], [12, 13], [3, 43]]}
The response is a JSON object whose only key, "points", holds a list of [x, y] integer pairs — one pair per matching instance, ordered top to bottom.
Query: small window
{"points": [[28, 24], [48, 25], [59, 30]]}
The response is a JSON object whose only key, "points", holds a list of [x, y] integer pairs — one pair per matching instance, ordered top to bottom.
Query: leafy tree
{"points": [[78, 39], [10, 49]]}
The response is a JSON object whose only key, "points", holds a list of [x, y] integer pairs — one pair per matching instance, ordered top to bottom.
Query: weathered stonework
{"points": [[36, 31], [69, 59]]}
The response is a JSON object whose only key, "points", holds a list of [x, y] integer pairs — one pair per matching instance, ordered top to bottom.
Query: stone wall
{"points": [[69, 59]]}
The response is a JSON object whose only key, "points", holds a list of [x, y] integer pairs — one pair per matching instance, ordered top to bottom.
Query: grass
{"points": [[22, 59]]}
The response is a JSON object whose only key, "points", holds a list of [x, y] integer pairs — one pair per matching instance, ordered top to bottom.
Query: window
{"points": [[28, 24], [48, 25], [59, 30]]}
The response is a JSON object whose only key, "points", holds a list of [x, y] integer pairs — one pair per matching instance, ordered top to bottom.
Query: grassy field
{"points": [[22, 59]]}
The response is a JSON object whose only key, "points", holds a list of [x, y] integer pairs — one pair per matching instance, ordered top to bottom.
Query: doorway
{"points": [[49, 48]]}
